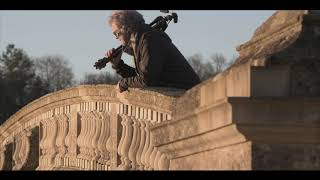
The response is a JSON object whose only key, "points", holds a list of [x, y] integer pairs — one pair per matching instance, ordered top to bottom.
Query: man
{"points": [[157, 61]]}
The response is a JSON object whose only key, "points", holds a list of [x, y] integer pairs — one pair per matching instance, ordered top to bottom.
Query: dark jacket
{"points": [[158, 63]]}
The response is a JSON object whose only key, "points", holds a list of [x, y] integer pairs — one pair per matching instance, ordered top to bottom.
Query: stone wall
{"points": [[261, 113]]}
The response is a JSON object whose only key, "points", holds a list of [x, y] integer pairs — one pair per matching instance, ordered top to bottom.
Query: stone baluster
{"points": [[141, 116], [122, 122], [91, 123], [63, 128], [74, 128], [83, 129], [123, 130], [52, 136], [88, 137], [96, 137], [103, 138], [127, 139], [82, 140], [67, 142], [48, 143], [42, 144], [142, 145], [46, 146], [136, 147], [22, 149], [109, 149], [149, 150], [94, 153], [132, 154], [152, 156], [2, 157], [16, 157], [156, 159], [163, 163]]}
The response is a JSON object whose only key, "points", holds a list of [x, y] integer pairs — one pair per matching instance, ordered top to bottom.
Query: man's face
{"points": [[122, 37]]}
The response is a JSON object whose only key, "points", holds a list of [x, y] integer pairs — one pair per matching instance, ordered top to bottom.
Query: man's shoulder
{"points": [[154, 35]]}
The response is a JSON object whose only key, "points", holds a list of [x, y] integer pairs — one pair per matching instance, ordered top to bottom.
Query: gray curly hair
{"points": [[126, 20]]}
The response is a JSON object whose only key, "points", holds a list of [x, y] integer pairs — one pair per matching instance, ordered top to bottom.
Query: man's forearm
{"points": [[123, 69], [134, 82]]}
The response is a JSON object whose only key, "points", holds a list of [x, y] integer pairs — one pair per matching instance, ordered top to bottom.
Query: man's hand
{"points": [[114, 60], [120, 87], [121, 96]]}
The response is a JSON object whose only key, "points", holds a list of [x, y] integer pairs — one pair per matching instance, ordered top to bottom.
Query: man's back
{"points": [[161, 63]]}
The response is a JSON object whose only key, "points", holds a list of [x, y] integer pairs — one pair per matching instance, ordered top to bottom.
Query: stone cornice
{"points": [[278, 23], [278, 34]]}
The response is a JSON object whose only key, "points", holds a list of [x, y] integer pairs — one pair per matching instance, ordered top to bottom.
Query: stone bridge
{"points": [[261, 113]]}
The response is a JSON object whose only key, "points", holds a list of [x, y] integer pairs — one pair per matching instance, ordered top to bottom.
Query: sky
{"points": [[82, 37]]}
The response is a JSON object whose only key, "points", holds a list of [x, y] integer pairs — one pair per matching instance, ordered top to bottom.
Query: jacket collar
{"points": [[136, 37]]}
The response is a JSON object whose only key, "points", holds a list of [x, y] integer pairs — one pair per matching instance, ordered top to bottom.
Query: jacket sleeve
{"points": [[150, 64], [123, 69]]}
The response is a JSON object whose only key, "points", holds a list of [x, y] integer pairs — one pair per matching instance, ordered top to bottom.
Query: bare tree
{"points": [[232, 60], [219, 62], [209, 68], [204, 70], [55, 72], [102, 78]]}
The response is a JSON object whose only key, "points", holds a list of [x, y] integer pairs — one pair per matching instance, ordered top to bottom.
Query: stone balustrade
{"points": [[89, 128]]}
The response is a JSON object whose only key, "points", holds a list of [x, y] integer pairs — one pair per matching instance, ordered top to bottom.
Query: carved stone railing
{"points": [[261, 113], [90, 128]]}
